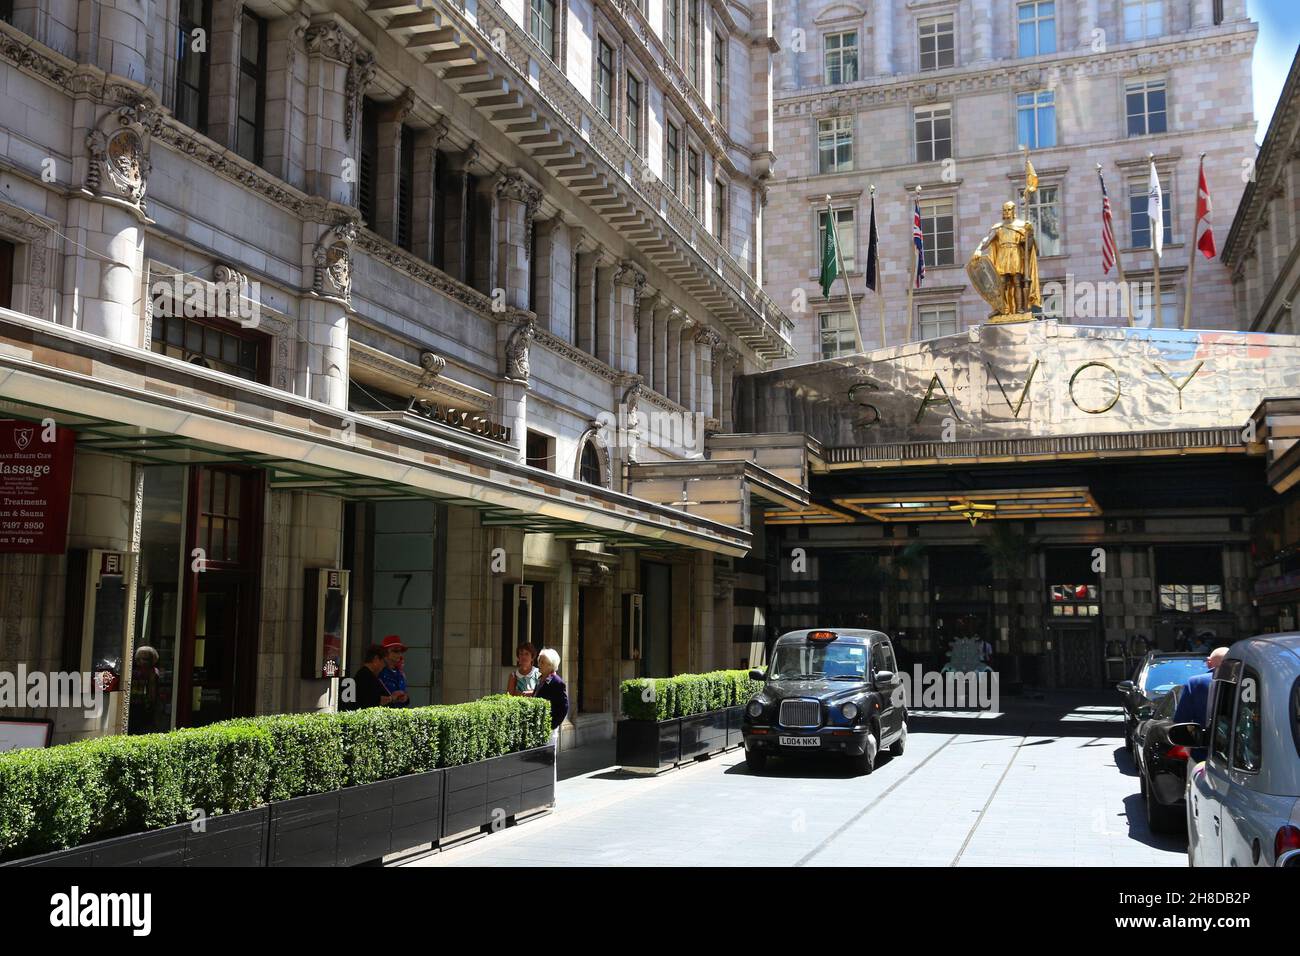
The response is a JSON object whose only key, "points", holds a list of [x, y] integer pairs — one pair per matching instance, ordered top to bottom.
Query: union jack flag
{"points": [[1107, 230], [918, 240]]}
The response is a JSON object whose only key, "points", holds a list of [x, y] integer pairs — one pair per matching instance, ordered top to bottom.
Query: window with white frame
{"points": [[1143, 19], [541, 24], [672, 24], [1036, 27], [935, 37], [693, 42], [840, 57], [192, 65], [719, 74], [605, 80], [1145, 103], [251, 105], [633, 106], [1036, 119], [933, 133], [835, 144], [673, 157], [693, 182], [720, 211], [1045, 214], [1139, 223], [937, 229], [845, 233], [1144, 312], [934, 321], [837, 336]]}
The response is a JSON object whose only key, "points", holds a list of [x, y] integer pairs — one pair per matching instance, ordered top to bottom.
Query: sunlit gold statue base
{"points": [[998, 318]]}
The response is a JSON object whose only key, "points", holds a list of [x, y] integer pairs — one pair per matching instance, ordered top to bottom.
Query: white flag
{"points": [[1155, 212]]}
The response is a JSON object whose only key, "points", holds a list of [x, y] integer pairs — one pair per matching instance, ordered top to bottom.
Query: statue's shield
{"points": [[984, 279]]}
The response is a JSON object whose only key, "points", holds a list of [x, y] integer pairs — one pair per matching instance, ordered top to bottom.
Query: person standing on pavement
{"points": [[392, 677], [523, 682], [551, 687], [367, 691], [1194, 704]]}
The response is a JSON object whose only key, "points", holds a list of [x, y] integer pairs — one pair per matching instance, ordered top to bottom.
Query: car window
{"points": [[877, 659], [817, 661], [890, 663], [1164, 674], [1224, 696], [1165, 709], [1247, 739]]}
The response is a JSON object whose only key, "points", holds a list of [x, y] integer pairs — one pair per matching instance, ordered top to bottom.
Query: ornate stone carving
{"points": [[330, 40], [361, 71], [119, 152], [511, 185], [34, 235], [333, 261], [228, 274], [708, 337], [517, 352], [431, 365]]}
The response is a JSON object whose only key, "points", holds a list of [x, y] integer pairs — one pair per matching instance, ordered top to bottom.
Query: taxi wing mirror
{"points": [[757, 674], [884, 677], [1125, 687], [1186, 735]]}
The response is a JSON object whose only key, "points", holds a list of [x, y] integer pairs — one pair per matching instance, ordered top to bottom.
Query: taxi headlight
{"points": [[755, 709], [850, 711]]}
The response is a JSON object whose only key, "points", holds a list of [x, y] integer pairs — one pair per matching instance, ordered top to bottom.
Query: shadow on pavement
{"points": [[1136, 811]]}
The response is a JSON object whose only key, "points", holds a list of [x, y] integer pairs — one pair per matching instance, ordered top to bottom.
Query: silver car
{"points": [[1243, 801]]}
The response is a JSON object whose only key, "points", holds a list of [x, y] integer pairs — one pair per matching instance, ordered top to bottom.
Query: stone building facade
{"points": [[942, 95], [447, 295]]}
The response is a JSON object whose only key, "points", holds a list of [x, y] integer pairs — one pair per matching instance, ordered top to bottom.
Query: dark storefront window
{"points": [[203, 342], [961, 594]]}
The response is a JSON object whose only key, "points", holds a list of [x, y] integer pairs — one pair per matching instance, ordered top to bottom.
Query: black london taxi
{"points": [[834, 691]]}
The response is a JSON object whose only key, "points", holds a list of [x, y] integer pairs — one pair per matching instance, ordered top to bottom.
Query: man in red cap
{"points": [[391, 676]]}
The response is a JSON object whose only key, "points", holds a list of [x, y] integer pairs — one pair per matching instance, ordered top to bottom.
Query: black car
{"points": [[1156, 675], [827, 691], [1161, 765]]}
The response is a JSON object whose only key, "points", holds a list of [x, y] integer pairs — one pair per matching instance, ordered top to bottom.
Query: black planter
{"points": [[735, 717], [704, 734], [648, 744], [490, 793], [417, 810], [365, 823], [304, 831], [232, 839]]}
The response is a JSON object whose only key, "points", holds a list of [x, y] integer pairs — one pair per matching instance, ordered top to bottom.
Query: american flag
{"points": [[1107, 229], [918, 240]]}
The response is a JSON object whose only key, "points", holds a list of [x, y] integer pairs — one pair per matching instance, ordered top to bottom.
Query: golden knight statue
{"points": [[1004, 268]]}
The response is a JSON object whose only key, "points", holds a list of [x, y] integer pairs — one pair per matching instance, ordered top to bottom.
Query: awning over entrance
{"points": [[154, 409]]}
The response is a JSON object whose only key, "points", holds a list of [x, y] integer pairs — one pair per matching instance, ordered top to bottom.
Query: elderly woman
{"points": [[550, 686]]}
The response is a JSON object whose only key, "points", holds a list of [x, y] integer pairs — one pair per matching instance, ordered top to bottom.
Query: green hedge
{"points": [[662, 698], [94, 789]]}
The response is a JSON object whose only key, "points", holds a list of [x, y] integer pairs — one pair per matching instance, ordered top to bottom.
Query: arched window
{"points": [[589, 469]]}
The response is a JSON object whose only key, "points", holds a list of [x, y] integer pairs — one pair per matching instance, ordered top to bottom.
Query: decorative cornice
{"points": [[572, 353]]}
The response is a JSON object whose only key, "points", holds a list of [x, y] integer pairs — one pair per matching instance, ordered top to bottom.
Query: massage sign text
{"points": [[35, 486]]}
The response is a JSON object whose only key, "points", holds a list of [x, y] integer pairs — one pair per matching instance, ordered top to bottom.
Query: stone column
{"points": [[1202, 13], [1087, 21], [882, 28], [982, 29], [121, 44], [338, 72], [223, 73], [283, 152], [388, 165], [424, 192], [516, 209], [455, 217], [587, 263], [629, 285], [554, 303], [663, 309], [705, 340], [515, 341], [323, 349], [607, 349], [730, 360], [686, 364], [674, 365]]}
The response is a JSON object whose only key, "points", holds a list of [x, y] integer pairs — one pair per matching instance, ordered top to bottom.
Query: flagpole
{"points": [[1191, 256], [911, 257], [839, 264], [1119, 268], [880, 278], [1158, 315]]}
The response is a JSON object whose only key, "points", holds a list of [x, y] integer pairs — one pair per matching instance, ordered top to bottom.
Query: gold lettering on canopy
{"points": [[1179, 388], [1024, 392], [929, 400], [1108, 406], [865, 422]]}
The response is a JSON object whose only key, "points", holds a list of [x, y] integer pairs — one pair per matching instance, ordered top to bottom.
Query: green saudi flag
{"points": [[830, 257]]}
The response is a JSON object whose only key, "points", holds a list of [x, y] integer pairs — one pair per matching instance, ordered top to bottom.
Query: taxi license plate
{"points": [[801, 741]]}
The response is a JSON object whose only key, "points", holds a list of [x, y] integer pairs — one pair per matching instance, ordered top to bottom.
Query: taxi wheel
{"points": [[898, 746], [755, 760], [867, 762]]}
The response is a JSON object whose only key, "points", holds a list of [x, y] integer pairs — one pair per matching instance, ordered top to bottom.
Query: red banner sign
{"points": [[35, 487]]}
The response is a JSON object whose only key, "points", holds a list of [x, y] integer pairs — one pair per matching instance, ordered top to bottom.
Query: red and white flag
{"points": [[1107, 230], [1204, 232]]}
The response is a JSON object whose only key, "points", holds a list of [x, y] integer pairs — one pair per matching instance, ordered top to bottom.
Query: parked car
{"points": [[1158, 672], [827, 691], [1161, 765], [1243, 801]]}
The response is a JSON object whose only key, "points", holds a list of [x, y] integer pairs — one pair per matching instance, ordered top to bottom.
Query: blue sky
{"points": [[1279, 33]]}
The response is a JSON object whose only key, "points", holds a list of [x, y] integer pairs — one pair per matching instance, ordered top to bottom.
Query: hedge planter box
{"points": [[650, 745], [490, 792], [232, 839]]}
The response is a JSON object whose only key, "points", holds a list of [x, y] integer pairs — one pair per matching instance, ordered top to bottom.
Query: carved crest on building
{"points": [[119, 152], [332, 258], [517, 352]]}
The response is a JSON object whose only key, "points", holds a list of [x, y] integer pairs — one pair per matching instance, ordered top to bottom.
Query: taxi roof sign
{"points": [[821, 636]]}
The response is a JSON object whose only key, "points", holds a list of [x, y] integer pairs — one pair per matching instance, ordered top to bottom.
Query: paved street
{"points": [[1045, 783]]}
